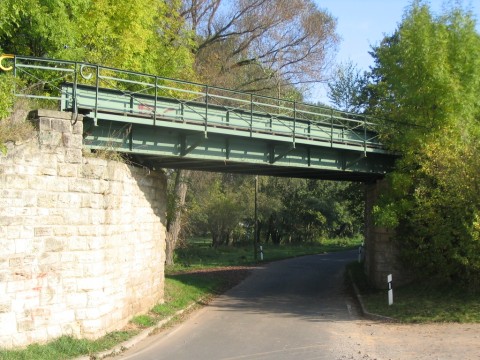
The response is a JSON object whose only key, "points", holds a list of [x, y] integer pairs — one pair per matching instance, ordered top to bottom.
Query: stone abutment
{"points": [[82, 239]]}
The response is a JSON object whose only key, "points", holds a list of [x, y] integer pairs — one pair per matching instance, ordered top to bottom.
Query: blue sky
{"points": [[362, 23]]}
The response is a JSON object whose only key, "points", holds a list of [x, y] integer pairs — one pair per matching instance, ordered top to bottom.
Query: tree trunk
{"points": [[175, 224]]}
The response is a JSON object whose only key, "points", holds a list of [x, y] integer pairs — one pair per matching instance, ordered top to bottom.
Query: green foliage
{"points": [[40, 27], [145, 35], [427, 84], [7, 97], [6, 103], [223, 210], [289, 210], [307, 210]]}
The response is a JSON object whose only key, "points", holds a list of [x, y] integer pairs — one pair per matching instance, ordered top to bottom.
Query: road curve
{"points": [[284, 310]]}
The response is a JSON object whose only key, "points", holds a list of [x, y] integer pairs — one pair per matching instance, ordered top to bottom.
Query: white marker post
{"points": [[261, 253], [390, 290]]}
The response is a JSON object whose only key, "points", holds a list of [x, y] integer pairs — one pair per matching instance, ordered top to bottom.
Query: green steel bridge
{"points": [[169, 123]]}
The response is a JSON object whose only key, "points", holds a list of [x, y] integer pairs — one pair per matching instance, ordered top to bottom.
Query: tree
{"points": [[40, 27], [145, 35], [261, 44], [427, 81], [346, 88], [219, 205], [175, 209]]}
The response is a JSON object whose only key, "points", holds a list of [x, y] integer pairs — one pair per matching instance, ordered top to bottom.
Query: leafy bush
{"points": [[7, 82]]}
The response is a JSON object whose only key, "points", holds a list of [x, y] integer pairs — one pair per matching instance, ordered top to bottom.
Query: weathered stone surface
{"points": [[81, 239]]}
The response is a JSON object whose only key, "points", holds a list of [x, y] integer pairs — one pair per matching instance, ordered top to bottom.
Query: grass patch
{"points": [[198, 254], [420, 302], [143, 321], [67, 347]]}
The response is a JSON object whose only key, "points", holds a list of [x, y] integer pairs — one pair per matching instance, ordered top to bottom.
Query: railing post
{"points": [[74, 91], [96, 94], [155, 102], [206, 109], [251, 115], [294, 120], [331, 127], [365, 135]]}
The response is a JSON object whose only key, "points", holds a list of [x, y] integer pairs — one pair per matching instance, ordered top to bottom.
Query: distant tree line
{"points": [[289, 210]]}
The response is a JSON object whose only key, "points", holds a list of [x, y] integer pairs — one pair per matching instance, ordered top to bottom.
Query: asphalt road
{"points": [[285, 310]]}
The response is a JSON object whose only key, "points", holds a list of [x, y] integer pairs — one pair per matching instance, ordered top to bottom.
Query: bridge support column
{"points": [[381, 251]]}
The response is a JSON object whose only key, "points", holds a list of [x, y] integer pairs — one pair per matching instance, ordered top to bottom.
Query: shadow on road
{"points": [[309, 287]]}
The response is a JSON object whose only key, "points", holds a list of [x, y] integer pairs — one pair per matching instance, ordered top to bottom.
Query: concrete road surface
{"points": [[285, 310]]}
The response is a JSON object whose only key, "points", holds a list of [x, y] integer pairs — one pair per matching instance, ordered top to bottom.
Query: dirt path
{"points": [[382, 341]]}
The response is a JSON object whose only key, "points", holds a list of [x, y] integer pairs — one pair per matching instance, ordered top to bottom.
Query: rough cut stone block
{"points": [[43, 124], [61, 125], [78, 125], [73, 156], [67, 170], [93, 171], [43, 231], [54, 244], [26, 325]]}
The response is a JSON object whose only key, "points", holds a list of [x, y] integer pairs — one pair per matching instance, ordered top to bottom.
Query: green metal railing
{"points": [[104, 93]]}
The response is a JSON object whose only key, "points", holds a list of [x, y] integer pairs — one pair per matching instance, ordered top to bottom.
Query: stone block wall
{"points": [[82, 239], [381, 251]]}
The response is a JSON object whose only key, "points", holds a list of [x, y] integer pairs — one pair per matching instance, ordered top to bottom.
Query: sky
{"points": [[362, 23]]}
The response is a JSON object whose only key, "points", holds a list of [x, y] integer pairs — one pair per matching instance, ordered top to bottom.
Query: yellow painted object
{"points": [[6, 56]]}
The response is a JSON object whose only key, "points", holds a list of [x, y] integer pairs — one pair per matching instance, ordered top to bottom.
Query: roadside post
{"points": [[261, 253], [360, 253], [390, 289]]}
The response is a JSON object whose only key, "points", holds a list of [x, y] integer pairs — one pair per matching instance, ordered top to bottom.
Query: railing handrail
{"points": [[180, 81]]}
